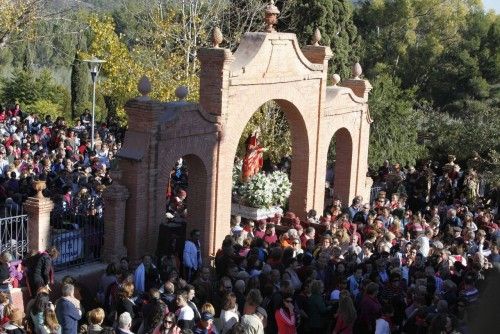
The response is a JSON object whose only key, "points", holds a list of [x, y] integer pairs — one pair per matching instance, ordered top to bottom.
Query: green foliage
{"points": [[334, 18], [411, 35], [79, 83], [21, 87], [34, 92], [43, 108], [471, 126], [274, 132], [394, 133], [332, 152], [489, 167]]}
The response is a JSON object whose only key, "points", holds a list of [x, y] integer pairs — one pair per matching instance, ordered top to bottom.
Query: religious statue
{"points": [[253, 161]]}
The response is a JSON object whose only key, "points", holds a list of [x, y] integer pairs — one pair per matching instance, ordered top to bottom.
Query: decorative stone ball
{"points": [[217, 37], [316, 37], [356, 71], [335, 79], [144, 86], [182, 92], [39, 186]]}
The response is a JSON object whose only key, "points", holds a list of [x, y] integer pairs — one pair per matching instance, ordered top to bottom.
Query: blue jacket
{"points": [[192, 255], [68, 316]]}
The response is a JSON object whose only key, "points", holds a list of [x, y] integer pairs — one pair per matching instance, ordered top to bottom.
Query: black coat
{"points": [[39, 271], [125, 305]]}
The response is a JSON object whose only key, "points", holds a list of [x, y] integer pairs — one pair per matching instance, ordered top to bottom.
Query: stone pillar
{"points": [[318, 54], [359, 86], [115, 197], [38, 209]]}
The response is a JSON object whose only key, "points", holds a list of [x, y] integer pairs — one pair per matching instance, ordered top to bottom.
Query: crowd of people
{"points": [[40, 148], [414, 259]]}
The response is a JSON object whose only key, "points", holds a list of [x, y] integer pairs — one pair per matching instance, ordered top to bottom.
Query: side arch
{"points": [[343, 164], [199, 192]]}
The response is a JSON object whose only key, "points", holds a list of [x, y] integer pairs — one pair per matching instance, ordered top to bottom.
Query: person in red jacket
{"points": [[370, 309], [346, 314], [285, 316]]}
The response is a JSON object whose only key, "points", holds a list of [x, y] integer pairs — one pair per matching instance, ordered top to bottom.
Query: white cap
{"points": [[335, 295]]}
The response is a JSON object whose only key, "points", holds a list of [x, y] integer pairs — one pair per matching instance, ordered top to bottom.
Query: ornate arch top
{"points": [[272, 56]]}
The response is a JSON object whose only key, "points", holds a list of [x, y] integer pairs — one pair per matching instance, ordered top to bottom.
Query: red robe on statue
{"points": [[253, 161]]}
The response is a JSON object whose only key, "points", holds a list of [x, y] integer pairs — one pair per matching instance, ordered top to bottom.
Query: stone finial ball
{"points": [[217, 37], [316, 37], [356, 70], [335, 79], [144, 86], [182, 92]]}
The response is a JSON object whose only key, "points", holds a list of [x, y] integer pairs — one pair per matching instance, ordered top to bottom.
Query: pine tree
{"points": [[334, 18], [79, 81]]}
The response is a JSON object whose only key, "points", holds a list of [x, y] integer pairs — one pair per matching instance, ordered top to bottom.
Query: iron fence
{"points": [[14, 232], [79, 240]]}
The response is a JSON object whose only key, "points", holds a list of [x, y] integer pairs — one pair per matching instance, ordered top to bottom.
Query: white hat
{"points": [[236, 229], [335, 295]]}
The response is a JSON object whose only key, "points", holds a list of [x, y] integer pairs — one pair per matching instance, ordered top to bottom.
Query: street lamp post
{"points": [[95, 66]]}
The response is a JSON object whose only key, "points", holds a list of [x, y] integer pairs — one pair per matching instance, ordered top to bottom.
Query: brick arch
{"points": [[266, 66], [300, 148], [343, 164], [199, 185], [197, 195]]}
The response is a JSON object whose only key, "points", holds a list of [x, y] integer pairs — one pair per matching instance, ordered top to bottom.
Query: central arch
{"points": [[300, 148]]}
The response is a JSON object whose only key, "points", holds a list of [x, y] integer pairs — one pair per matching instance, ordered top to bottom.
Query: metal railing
{"points": [[14, 232], [79, 240]]}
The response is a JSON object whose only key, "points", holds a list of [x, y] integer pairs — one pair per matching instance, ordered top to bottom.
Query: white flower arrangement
{"points": [[261, 191]]}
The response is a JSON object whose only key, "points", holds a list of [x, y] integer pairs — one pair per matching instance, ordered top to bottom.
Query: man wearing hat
{"points": [[205, 325]]}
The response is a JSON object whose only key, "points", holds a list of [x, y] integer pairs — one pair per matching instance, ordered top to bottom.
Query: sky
{"points": [[492, 4]]}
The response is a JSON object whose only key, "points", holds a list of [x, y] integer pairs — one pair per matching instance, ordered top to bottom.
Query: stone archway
{"points": [[266, 66], [300, 149]]}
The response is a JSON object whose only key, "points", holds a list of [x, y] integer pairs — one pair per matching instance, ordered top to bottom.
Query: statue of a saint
{"points": [[253, 161]]}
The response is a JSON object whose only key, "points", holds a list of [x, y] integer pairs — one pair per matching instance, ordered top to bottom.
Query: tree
{"points": [[16, 17], [334, 18], [409, 36], [153, 55], [79, 82], [36, 93], [396, 123], [471, 126]]}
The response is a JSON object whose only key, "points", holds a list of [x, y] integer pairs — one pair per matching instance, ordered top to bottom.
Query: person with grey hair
{"points": [[5, 278], [68, 310], [124, 323]]}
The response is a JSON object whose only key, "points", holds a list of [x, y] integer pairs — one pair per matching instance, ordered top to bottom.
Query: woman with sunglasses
{"points": [[285, 316], [168, 325]]}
